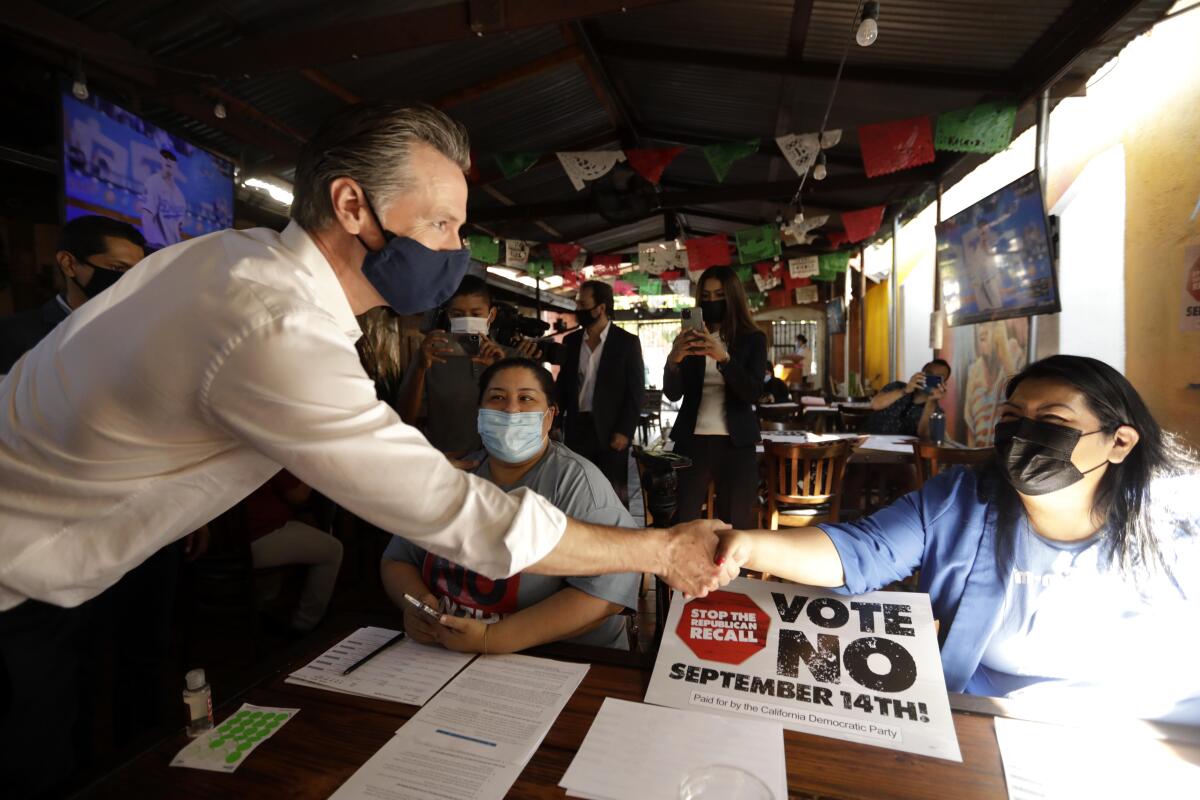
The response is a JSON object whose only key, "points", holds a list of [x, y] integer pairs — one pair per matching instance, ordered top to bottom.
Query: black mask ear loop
{"points": [[1102, 463]]}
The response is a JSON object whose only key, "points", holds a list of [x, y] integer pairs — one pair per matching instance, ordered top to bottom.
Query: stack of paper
{"points": [[406, 672], [472, 740], [225, 747], [643, 751]]}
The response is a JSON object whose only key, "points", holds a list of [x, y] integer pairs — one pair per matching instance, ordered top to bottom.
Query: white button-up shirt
{"points": [[589, 362], [168, 398]]}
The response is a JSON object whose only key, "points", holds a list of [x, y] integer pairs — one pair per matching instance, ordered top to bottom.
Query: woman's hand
{"points": [[687, 343], [712, 346], [435, 348], [489, 352], [915, 383], [420, 628], [461, 634]]}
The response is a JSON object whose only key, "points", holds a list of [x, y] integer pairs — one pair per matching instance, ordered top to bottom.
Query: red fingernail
{"points": [[720, 561]]}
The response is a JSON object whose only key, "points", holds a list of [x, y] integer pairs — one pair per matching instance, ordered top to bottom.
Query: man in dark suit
{"points": [[92, 253], [600, 386]]}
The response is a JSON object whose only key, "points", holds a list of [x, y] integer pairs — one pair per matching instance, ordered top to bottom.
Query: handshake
{"points": [[702, 556]]}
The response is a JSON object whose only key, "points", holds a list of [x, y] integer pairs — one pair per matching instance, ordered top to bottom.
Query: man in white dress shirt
{"points": [[213, 363]]}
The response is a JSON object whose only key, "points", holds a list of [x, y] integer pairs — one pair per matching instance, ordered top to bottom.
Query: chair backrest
{"points": [[652, 401], [853, 418], [930, 459], [807, 474]]}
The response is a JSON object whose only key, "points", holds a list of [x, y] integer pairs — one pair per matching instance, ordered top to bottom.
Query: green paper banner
{"points": [[985, 128], [721, 156], [511, 164], [758, 244], [484, 249], [833, 263], [539, 267], [744, 273]]}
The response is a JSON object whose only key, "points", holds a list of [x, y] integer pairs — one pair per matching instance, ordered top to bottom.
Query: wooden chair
{"points": [[651, 413], [853, 420], [930, 459], [804, 482]]}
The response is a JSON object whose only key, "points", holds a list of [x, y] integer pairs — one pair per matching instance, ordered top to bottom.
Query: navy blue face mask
{"points": [[408, 275]]}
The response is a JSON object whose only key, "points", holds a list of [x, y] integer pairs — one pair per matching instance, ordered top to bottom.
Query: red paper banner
{"points": [[892, 146], [650, 163], [862, 224], [837, 238], [708, 251], [563, 255], [604, 265], [764, 268], [671, 275], [571, 279], [791, 283], [623, 288], [779, 298]]}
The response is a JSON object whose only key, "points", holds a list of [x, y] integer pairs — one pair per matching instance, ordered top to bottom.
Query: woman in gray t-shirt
{"points": [[516, 410]]}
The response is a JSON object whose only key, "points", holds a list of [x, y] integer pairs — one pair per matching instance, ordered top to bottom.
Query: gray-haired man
{"points": [[218, 360]]}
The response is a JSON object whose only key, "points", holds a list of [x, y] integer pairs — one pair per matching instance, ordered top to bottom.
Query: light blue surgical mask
{"points": [[511, 438]]}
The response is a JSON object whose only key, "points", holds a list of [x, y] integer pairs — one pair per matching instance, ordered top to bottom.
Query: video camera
{"points": [[511, 328]]}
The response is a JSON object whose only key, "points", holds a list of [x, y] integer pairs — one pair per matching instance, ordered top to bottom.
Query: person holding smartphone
{"points": [[718, 370], [445, 376], [905, 408]]}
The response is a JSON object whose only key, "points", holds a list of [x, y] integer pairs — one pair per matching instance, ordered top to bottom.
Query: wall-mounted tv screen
{"points": [[119, 165], [995, 258]]}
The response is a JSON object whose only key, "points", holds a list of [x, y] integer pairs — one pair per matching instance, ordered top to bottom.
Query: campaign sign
{"points": [[863, 668]]}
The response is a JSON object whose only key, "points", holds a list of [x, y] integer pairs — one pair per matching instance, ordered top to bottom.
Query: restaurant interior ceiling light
{"points": [[868, 27], [79, 87], [219, 110], [278, 193]]}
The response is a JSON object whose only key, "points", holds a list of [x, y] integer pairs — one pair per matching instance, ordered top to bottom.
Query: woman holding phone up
{"points": [[718, 372]]}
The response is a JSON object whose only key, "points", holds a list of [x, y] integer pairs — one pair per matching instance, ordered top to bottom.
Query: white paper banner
{"points": [[831, 138], [800, 150], [587, 165], [798, 229], [516, 253], [658, 257], [580, 261], [804, 267], [763, 284], [682, 286], [806, 294]]}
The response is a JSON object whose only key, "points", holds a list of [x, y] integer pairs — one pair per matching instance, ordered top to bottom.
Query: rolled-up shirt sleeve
{"points": [[294, 390], [884, 547]]}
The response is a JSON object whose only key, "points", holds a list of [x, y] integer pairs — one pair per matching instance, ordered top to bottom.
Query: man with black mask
{"points": [[92, 254], [600, 386]]}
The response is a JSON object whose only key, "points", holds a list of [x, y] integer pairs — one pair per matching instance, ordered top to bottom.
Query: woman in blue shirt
{"points": [[1067, 571]]}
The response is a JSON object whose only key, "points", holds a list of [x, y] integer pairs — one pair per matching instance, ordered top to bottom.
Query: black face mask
{"points": [[102, 278], [713, 310], [586, 317], [1036, 456]]}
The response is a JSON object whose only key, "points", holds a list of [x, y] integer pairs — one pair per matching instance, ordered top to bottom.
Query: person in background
{"points": [[163, 206], [92, 253], [798, 362], [719, 374], [446, 382], [601, 385], [774, 390], [903, 409], [515, 412], [1083, 532], [278, 538]]}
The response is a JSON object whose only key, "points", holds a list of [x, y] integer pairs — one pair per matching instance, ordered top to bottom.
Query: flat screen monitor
{"points": [[119, 165], [995, 258], [835, 315]]}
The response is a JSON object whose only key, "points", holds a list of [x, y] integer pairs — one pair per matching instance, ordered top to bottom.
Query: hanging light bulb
{"points": [[868, 27], [80, 88], [219, 110], [819, 171]]}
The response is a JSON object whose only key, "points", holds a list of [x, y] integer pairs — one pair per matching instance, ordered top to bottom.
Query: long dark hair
{"points": [[738, 321], [1123, 495]]}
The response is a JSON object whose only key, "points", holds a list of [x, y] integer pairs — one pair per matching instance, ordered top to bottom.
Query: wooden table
{"points": [[334, 734]]}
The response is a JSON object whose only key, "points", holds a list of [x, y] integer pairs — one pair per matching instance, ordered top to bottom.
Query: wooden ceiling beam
{"points": [[364, 38]]}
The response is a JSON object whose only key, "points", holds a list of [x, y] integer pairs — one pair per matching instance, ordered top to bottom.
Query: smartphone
{"points": [[693, 320], [465, 345], [933, 381], [427, 610]]}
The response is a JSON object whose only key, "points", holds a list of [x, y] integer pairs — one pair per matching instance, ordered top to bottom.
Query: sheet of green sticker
{"points": [[227, 745]]}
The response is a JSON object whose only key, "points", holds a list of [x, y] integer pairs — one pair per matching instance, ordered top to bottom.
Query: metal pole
{"points": [[1042, 159], [846, 292], [893, 299], [862, 315]]}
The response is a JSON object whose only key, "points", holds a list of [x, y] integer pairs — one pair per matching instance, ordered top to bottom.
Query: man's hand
{"points": [[435, 348], [527, 348], [489, 352], [915, 383], [618, 442], [465, 464], [195, 544], [689, 561], [420, 628], [461, 634]]}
